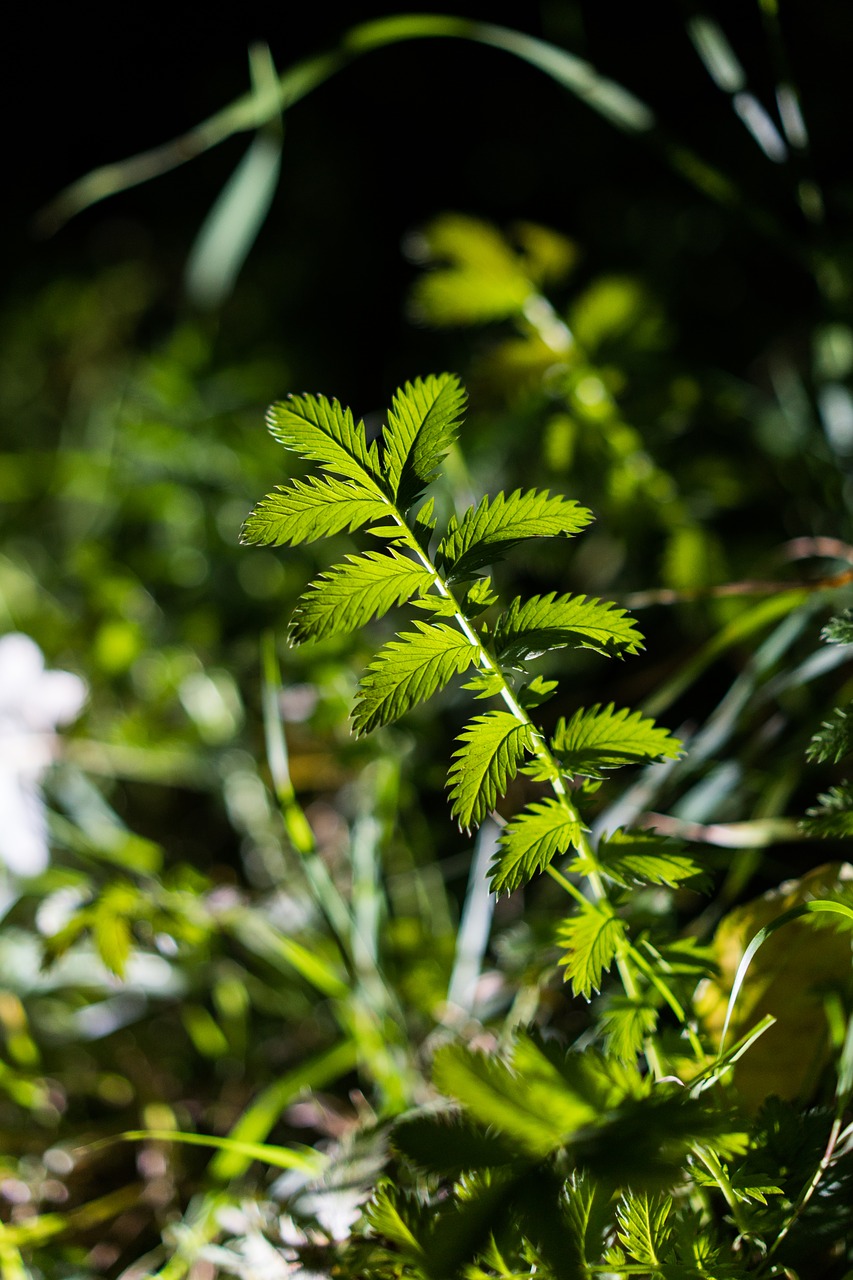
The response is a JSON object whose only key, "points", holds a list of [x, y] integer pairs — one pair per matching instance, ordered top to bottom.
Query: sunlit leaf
{"points": [[422, 425], [310, 509], [486, 532], [348, 595], [530, 627], [409, 670], [603, 738], [492, 746], [530, 842], [592, 939]]}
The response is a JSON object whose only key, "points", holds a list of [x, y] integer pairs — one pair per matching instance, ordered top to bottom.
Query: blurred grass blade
{"points": [[718, 56], [611, 100], [240, 116], [760, 125], [233, 224], [795, 913], [473, 936], [259, 1117], [303, 1158]]}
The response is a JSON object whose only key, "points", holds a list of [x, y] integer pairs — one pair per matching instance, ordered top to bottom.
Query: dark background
{"points": [[421, 127]]}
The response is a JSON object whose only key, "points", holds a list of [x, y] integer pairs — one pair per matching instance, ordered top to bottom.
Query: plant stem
{"points": [[541, 750]]}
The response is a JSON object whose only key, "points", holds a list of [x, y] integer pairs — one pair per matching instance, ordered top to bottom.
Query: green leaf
{"points": [[483, 279], [422, 425], [322, 431], [311, 509], [424, 525], [488, 530], [350, 594], [478, 597], [530, 627], [839, 630], [409, 670], [538, 691], [603, 738], [834, 740], [492, 748], [832, 816], [529, 843], [644, 857], [592, 940], [626, 1024], [533, 1105], [448, 1144], [588, 1214], [399, 1218], [643, 1227]]}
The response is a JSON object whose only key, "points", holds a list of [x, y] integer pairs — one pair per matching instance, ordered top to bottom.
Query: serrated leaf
{"points": [[422, 425], [325, 432], [310, 509], [424, 525], [487, 531], [350, 594], [478, 597], [438, 606], [534, 626], [839, 630], [409, 670], [486, 684], [536, 692], [603, 738], [834, 739], [492, 746], [832, 816], [530, 842], [644, 857], [592, 939], [626, 1024], [531, 1102], [448, 1144], [588, 1214], [399, 1218], [643, 1227]]}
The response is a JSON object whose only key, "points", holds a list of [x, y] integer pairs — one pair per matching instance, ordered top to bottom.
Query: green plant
{"points": [[573, 1161]]}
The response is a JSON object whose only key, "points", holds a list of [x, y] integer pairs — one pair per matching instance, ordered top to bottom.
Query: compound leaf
{"points": [[422, 425], [323, 431], [310, 509], [488, 530], [350, 594], [530, 627], [409, 670], [604, 738], [492, 746], [528, 843], [592, 940]]}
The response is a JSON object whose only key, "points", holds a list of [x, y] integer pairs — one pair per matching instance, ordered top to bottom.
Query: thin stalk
{"points": [[541, 750], [718, 1173], [811, 1186]]}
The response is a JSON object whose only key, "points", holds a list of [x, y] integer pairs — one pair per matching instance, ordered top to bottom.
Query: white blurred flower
{"points": [[33, 703]]}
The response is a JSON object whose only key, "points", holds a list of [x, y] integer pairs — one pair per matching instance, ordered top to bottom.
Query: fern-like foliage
{"points": [[461, 631], [832, 816]]}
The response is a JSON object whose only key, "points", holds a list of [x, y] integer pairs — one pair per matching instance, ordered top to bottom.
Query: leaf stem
{"points": [[542, 751]]}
